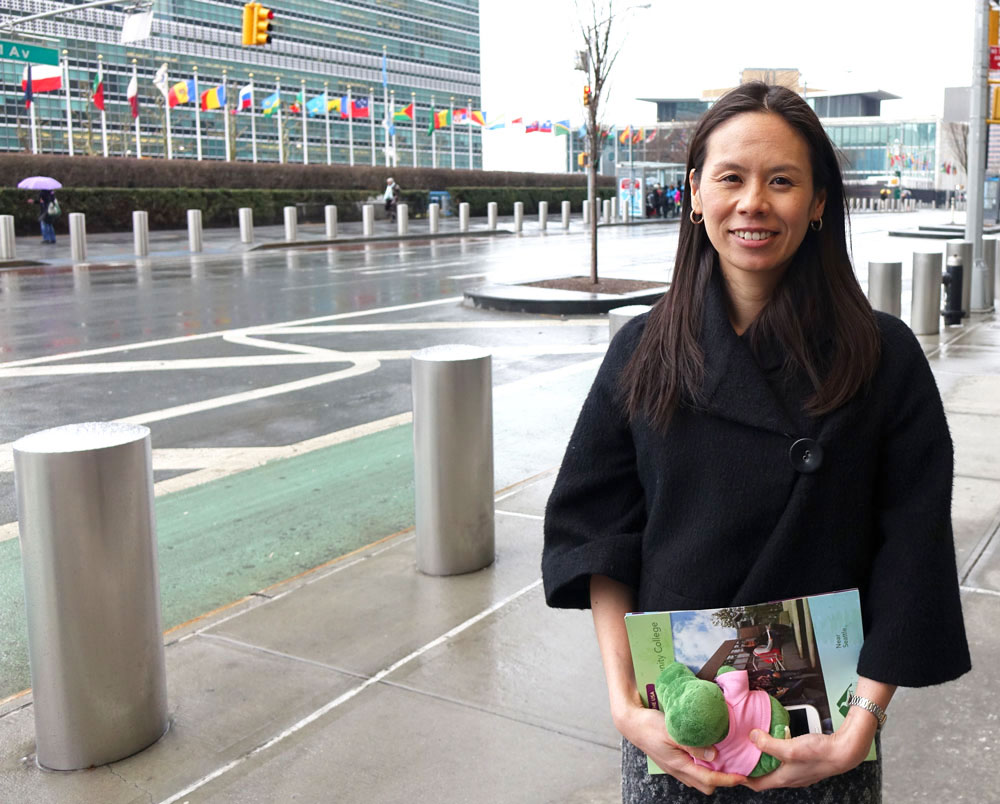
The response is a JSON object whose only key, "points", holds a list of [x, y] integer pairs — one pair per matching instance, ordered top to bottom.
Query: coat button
{"points": [[806, 456]]}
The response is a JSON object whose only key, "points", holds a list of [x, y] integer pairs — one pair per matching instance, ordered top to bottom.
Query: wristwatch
{"points": [[868, 706]]}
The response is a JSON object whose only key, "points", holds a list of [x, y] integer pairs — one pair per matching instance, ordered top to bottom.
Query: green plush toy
{"points": [[720, 713]]}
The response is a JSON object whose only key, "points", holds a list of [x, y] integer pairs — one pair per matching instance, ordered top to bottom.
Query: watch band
{"points": [[868, 706]]}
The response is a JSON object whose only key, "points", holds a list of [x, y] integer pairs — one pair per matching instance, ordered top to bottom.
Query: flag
{"points": [[385, 72], [44, 78], [160, 80], [27, 86], [97, 92], [181, 92], [132, 93], [214, 98], [245, 100], [270, 103], [336, 105], [316, 106], [295, 107], [359, 107], [404, 114], [460, 116], [479, 117], [442, 118], [517, 121], [497, 124], [530, 127], [546, 127], [562, 128], [582, 131], [607, 132], [625, 135], [652, 135], [639, 136]]}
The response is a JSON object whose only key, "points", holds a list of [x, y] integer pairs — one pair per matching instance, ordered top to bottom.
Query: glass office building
{"points": [[431, 52]]}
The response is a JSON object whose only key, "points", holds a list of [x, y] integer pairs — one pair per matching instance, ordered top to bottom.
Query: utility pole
{"points": [[977, 156]]}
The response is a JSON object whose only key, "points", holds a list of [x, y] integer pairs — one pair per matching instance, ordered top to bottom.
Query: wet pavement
{"points": [[364, 680]]}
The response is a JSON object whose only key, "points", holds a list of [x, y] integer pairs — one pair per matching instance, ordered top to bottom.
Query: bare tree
{"points": [[957, 137]]}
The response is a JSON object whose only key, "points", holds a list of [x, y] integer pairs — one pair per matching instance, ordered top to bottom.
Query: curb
{"points": [[377, 239], [548, 301]]}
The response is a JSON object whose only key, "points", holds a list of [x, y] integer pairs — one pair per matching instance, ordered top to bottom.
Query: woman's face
{"points": [[756, 193]]}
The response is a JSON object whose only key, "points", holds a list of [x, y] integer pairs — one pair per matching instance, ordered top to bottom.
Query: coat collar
{"points": [[735, 385]]}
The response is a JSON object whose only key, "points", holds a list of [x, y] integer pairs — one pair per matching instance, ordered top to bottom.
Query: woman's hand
{"points": [[644, 728], [810, 758]]}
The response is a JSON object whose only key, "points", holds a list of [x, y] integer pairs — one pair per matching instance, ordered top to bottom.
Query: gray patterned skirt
{"points": [[862, 785]]}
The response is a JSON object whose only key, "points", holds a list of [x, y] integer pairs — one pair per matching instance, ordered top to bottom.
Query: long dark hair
{"points": [[818, 297]]}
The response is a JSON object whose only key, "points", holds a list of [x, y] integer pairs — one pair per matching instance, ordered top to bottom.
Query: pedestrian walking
{"points": [[391, 197], [48, 211], [762, 434]]}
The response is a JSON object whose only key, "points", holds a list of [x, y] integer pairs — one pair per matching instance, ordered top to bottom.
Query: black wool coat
{"points": [[731, 507]]}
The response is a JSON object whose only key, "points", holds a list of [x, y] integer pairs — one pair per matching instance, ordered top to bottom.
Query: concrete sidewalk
{"points": [[365, 681]]}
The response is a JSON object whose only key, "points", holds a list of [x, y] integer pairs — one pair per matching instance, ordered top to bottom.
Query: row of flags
{"points": [[47, 78], [908, 161]]}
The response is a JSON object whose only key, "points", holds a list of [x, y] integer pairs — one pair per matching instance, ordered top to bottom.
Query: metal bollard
{"points": [[614, 208], [566, 210], [606, 211], [586, 212], [627, 213], [491, 215], [543, 215], [463, 216], [518, 216], [434, 217], [402, 219], [330, 220], [367, 220], [291, 223], [246, 224], [194, 229], [140, 233], [78, 236], [963, 248], [8, 249], [990, 261], [885, 287], [925, 302], [953, 311], [619, 316], [453, 458], [88, 553]]}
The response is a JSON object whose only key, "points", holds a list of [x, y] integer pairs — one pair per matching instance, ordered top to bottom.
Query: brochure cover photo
{"points": [[803, 651]]}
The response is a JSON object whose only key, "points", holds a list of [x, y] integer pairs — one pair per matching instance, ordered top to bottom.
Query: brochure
{"points": [[803, 651]]}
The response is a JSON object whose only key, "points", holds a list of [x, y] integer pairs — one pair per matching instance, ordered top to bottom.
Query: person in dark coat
{"points": [[45, 219], [762, 434]]}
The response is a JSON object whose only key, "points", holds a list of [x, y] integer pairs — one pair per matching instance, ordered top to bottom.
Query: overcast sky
{"points": [[678, 48]]}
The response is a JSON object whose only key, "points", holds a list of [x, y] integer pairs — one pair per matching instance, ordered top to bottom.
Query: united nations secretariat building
{"points": [[336, 47]]}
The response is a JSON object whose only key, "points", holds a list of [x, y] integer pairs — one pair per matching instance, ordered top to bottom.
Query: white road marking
{"points": [[519, 514], [351, 693]]}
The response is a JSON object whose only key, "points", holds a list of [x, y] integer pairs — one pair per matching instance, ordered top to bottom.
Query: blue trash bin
{"points": [[443, 199]]}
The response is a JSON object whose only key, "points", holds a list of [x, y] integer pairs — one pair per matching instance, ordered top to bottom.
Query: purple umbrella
{"points": [[38, 183]]}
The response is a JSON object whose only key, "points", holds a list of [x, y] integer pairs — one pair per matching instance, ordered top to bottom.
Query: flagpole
{"points": [[69, 105], [385, 105], [166, 106], [326, 106], [197, 112], [31, 114], [225, 116], [104, 117], [391, 117], [468, 117], [371, 120], [413, 121], [253, 122], [451, 125], [305, 126], [350, 127], [138, 139], [281, 144], [434, 150], [616, 150], [569, 165]]}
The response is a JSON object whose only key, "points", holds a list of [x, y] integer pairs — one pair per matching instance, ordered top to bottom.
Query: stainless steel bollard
{"points": [[614, 207], [566, 210], [606, 211], [586, 212], [627, 213], [291, 215], [491, 215], [543, 215], [463, 216], [518, 216], [434, 217], [402, 219], [330, 220], [368, 220], [246, 224], [194, 229], [140, 233], [78, 236], [963, 248], [8, 249], [990, 260], [885, 287], [925, 302], [619, 316], [453, 458], [88, 551]]}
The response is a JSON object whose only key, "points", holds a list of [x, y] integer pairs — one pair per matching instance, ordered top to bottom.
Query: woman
{"points": [[45, 219], [761, 434]]}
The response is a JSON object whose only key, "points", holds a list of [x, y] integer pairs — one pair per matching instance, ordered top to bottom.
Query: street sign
{"points": [[18, 51], [994, 57]]}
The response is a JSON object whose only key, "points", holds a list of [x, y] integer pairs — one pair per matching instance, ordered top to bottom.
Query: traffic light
{"points": [[256, 24], [586, 95], [583, 159]]}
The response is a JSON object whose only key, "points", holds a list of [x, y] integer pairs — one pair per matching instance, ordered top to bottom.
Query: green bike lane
{"points": [[228, 538]]}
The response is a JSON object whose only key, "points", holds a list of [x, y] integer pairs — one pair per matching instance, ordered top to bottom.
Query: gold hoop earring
{"points": [[691, 215], [816, 225]]}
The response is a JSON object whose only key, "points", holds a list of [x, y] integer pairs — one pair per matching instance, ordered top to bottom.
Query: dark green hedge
{"points": [[478, 197]]}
